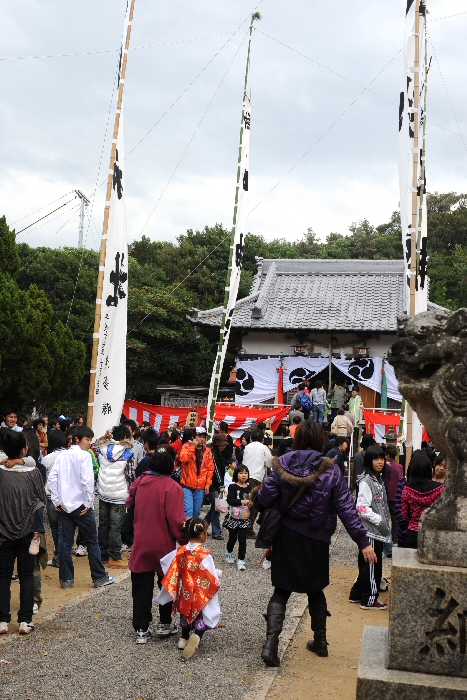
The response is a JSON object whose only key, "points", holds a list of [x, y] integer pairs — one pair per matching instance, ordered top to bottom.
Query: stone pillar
{"points": [[424, 653]]}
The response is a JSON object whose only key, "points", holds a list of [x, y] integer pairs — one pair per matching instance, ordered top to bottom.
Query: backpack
{"points": [[305, 401]]}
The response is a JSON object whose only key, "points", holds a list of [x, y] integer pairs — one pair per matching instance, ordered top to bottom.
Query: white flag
{"points": [[407, 182], [235, 259], [111, 360]]}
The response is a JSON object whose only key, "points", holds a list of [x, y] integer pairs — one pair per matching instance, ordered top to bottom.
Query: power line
{"points": [[435, 19], [93, 53], [446, 88], [186, 89], [372, 92], [325, 132], [193, 135], [40, 208], [90, 213], [45, 217], [54, 234]]}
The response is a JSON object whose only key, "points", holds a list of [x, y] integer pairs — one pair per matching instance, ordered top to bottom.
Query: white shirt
{"points": [[257, 458], [48, 463], [71, 480]]}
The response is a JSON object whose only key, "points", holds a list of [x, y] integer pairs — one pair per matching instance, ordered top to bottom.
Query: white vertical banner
{"points": [[412, 155], [412, 181], [235, 260], [111, 360]]}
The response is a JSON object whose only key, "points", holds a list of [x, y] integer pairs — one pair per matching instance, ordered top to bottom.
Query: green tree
{"points": [[9, 259]]}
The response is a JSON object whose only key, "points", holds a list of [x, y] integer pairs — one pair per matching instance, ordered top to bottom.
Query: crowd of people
{"points": [[150, 489]]}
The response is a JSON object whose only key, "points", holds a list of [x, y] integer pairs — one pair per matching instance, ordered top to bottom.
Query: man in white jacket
{"points": [[257, 459], [116, 474]]}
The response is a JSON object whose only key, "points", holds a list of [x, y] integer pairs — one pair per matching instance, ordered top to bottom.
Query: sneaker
{"points": [[217, 537], [34, 546], [126, 548], [81, 551], [230, 558], [51, 562], [266, 564], [241, 566], [15, 577], [106, 581], [67, 584], [384, 584], [355, 600], [377, 605], [35, 609], [3, 627], [26, 627], [165, 630], [142, 636], [181, 642], [191, 646]]}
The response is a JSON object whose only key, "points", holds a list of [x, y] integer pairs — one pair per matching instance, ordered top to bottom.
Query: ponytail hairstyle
{"points": [[194, 527]]}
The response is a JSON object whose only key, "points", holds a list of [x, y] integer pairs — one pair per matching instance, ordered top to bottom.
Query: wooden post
{"points": [[105, 228], [413, 237]]}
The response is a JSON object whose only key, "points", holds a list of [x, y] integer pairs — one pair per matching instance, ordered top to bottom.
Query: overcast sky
{"points": [[53, 112]]}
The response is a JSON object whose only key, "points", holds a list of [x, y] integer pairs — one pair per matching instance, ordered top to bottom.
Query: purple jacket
{"points": [[315, 513]]}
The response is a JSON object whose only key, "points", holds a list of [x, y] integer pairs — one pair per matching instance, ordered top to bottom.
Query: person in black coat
{"points": [[339, 453]]}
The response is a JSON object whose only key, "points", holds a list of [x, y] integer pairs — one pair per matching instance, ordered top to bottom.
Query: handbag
{"points": [[239, 512], [270, 521]]}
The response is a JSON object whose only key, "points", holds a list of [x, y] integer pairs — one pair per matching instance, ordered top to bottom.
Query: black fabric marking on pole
{"points": [[409, 5], [401, 110]]}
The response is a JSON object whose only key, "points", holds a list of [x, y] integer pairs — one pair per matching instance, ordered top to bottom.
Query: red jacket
{"points": [[190, 476], [415, 502], [159, 515]]}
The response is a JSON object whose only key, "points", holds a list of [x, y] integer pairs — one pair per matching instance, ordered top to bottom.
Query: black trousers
{"points": [[240, 534], [9, 551], [366, 586], [142, 590], [281, 596]]}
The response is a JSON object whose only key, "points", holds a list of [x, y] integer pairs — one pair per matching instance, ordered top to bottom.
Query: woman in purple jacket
{"points": [[300, 554]]}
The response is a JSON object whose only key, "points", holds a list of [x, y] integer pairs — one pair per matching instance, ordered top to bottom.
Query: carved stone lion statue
{"points": [[430, 361]]}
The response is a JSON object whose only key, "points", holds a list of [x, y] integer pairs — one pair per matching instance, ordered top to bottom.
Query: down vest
{"points": [[113, 457], [315, 513]]}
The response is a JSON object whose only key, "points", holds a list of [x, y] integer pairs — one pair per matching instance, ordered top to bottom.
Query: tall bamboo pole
{"points": [[105, 228], [413, 236], [223, 336]]}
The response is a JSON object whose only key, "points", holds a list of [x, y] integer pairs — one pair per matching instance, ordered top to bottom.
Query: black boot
{"points": [[274, 619], [319, 644]]}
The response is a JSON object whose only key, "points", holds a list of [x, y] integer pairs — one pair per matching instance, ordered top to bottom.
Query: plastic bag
{"points": [[221, 505]]}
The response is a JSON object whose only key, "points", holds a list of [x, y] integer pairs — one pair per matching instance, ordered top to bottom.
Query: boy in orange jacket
{"points": [[197, 470]]}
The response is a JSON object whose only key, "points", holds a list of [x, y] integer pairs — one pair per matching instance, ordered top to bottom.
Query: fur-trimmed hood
{"points": [[301, 466]]}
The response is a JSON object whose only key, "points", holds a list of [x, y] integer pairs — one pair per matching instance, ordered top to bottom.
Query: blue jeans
{"points": [[318, 412], [192, 501], [212, 516], [111, 517], [87, 526]]}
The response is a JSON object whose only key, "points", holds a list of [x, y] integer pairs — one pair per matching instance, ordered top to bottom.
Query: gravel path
{"points": [[88, 652]]}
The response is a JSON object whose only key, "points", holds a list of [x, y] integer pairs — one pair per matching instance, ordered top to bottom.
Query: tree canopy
{"points": [[47, 298]]}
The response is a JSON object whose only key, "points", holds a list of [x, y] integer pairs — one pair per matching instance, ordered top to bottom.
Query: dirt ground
{"points": [[54, 596], [305, 676]]}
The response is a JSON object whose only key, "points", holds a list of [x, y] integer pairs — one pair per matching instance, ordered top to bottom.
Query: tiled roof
{"points": [[321, 295]]}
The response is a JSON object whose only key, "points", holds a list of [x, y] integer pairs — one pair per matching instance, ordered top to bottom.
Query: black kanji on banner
{"points": [[118, 176], [239, 252], [117, 278]]}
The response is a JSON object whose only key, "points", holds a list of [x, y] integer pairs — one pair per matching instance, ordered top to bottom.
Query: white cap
{"points": [[200, 430]]}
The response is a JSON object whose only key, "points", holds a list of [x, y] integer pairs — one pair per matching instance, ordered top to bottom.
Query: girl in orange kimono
{"points": [[192, 581]]}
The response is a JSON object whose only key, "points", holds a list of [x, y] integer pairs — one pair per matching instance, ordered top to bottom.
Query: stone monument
{"points": [[423, 655]]}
